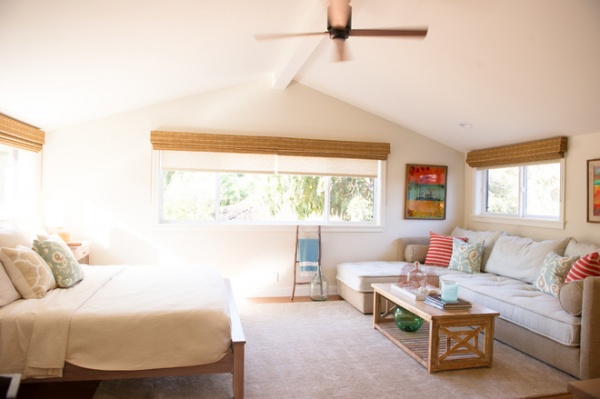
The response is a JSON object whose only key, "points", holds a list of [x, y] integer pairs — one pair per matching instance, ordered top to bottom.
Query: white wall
{"points": [[580, 149], [99, 173]]}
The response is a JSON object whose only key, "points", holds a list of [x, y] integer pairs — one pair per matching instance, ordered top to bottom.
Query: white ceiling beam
{"points": [[289, 68]]}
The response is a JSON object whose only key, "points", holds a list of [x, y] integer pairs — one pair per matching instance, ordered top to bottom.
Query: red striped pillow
{"points": [[440, 249], [589, 265]]}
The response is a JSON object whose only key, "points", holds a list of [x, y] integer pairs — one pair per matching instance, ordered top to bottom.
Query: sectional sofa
{"points": [[523, 279]]}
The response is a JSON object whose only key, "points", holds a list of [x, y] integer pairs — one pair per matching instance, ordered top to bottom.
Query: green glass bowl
{"points": [[407, 321]]}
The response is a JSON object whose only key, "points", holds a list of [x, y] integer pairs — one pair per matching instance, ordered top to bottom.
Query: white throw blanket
{"points": [[119, 318]]}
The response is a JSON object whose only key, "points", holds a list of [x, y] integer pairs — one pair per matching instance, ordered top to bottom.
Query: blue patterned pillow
{"points": [[59, 257], [466, 257], [553, 272]]}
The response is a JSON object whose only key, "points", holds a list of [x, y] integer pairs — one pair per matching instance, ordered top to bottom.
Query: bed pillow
{"points": [[12, 238], [440, 249], [466, 257], [521, 257], [62, 262], [586, 266], [28, 272], [553, 272], [8, 292], [571, 297]]}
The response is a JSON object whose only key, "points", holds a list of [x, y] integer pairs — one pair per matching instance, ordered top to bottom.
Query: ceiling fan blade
{"points": [[338, 13], [389, 32], [287, 35], [340, 50]]}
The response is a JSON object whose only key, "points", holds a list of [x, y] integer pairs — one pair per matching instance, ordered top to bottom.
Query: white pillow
{"points": [[473, 237], [12, 238], [575, 248], [521, 258], [28, 271], [8, 292]]}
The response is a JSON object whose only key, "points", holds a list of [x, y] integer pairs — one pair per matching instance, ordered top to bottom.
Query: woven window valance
{"points": [[20, 135], [268, 145], [540, 150]]}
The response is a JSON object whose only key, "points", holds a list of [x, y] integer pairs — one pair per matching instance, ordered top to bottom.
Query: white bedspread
{"points": [[119, 318]]}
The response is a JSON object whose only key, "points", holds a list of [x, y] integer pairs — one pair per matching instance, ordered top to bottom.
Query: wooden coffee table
{"points": [[448, 340]]}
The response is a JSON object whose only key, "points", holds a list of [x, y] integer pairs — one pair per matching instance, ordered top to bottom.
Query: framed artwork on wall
{"points": [[593, 190], [425, 192]]}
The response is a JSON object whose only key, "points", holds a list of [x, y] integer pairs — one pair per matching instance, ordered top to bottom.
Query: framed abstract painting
{"points": [[593, 190], [425, 192]]}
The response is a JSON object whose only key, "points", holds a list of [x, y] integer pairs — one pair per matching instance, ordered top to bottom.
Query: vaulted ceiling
{"points": [[489, 72]]}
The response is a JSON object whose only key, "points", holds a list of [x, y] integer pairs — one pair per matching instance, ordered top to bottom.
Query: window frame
{"points": [[25, 182], [480, 193], [376, 225]]}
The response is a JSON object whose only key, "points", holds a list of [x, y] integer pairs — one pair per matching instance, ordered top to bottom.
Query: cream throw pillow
{"points": [[28, 272]]}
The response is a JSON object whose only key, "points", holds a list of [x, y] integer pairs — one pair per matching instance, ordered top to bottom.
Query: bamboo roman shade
{"points": [[20, 135], [268, 145], [540, 150]]}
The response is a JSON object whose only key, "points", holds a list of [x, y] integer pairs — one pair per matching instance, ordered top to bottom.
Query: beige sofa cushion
{"points": [[575, 248], [415, 253], [521, 258]]}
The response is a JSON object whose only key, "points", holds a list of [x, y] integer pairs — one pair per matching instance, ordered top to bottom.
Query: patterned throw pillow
{"points": [[440, 249], [59, 257], [466, 258], [587, 266], [28, 272], [553, 272]]}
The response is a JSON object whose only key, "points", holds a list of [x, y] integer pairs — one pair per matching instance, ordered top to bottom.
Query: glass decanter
{"points": [[417, 278]]}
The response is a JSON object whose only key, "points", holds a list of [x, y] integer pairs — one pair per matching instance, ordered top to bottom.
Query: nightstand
{"points": [[81, 250]]}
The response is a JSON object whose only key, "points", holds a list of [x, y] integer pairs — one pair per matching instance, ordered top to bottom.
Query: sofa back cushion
{"points": [[473, 237], [581, 249], [521, 257]]}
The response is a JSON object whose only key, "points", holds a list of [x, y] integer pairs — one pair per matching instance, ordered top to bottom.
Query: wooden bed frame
{"points": [[232, 363]]}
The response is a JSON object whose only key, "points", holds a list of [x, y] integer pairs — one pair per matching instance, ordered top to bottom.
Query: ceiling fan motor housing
{"points": [[339, 32]]}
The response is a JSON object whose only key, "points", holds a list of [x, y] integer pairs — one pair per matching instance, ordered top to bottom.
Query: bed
{"points": [[126, 322]]}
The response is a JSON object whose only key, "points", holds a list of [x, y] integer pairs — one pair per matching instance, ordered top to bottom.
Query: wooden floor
{"points": [[287, 299], [557, 396]]}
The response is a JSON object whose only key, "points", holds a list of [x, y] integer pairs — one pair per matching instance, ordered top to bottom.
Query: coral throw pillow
{"points": [[440, 249], [587, 266]]}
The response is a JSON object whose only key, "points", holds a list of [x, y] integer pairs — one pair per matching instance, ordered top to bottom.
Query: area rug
{"points": [[330, 350]]}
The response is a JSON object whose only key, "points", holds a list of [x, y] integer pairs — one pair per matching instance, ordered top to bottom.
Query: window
{"points": [[19, 183], [208, 187], [526, 192]]}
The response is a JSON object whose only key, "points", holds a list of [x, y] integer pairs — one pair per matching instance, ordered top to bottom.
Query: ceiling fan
{"points": [[339, 28]]}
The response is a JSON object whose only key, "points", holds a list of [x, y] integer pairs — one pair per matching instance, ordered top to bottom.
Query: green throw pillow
{"points": [[58, 256], [466, 257], [553, 272]]}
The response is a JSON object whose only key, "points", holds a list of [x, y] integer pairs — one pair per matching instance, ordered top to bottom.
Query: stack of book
{"points": [[435, 300]]}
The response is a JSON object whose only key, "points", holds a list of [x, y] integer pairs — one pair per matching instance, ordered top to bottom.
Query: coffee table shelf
{"points": [[447, 340]]}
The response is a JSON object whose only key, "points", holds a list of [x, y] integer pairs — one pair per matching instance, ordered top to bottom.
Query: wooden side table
{"points": [[81, 250]]}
